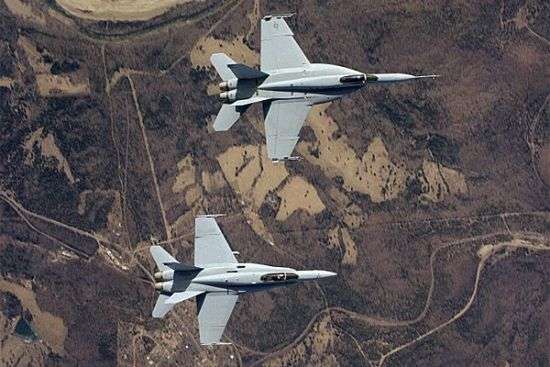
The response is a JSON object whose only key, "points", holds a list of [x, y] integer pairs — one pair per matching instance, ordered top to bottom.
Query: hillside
{"points": [[430, 200]]}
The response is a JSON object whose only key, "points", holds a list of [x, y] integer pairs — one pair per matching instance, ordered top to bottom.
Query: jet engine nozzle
{"points": [[228, 85], [228, 97], [164, 275], [164, 286]]}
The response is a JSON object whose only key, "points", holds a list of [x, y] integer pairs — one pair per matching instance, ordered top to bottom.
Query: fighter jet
{"points": [[287, 85], [216, 279]]}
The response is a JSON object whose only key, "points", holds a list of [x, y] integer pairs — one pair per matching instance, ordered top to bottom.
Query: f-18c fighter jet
{"points": [[287, 84], [217, 279]]}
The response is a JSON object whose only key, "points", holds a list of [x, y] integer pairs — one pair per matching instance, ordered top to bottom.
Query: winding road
{"points": [[521, 240], [375, 321]]}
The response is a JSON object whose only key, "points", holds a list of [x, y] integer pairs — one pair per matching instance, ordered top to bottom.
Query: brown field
{"points": [[118, 10], [236, 49], [48, 149], [298, 194], [428, 199], [51, 329]]}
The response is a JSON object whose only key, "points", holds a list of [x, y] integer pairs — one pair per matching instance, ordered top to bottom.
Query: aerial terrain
{"points": [[431, 200]]}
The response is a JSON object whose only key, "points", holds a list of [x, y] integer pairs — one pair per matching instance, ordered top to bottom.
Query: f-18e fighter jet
{"points": [[287, 84], [216, 279]]}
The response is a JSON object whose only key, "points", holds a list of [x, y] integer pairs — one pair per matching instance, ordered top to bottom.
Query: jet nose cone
{"points": [[314, 274], [326, 274]]}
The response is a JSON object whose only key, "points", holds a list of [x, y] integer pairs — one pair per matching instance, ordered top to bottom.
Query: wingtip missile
{"points": [[283, 15], [294, 158], [211, 215]]}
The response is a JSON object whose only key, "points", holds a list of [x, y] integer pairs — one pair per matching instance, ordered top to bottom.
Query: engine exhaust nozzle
{"points": [[228, 85], [228, 97], [164, 275], [164, 286]]}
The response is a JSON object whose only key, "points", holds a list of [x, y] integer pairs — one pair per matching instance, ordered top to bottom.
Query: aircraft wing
{"points": [[279, 49], [283, 120], [211, 247], [214, 310]]}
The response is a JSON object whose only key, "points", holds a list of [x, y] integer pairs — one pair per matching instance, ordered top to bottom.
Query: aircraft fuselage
{"points": [[316, 83], [236, 278]]}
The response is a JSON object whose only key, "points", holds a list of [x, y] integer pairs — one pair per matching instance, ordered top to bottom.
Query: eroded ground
{"points": [[119, 10], [429, 200]]}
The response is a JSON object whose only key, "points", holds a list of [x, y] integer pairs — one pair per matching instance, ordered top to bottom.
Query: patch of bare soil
{"points": [[118, 10], [25, 11], [236, 49], [34, 57], [6, 82], [48, 84], [61, 85], [49, 149], [373, 174], [252, 176], [185, 181], [440, 181], [212, 182], [188, 189], [299, 194], [339, 237], [350, 254], [49, 328], [14, 351]]}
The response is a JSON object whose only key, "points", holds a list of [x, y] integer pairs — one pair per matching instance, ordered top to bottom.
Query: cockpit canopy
{"points": [[357, 78], [278, 277]]}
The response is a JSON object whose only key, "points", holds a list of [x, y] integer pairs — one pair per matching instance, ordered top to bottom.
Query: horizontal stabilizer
{"points": [[220, 62], [242, 71], [227, 117], [161, 257], [177, 266], [182, 296], [161, 307]]}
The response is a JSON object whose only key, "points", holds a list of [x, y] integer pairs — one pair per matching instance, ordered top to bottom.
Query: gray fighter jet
{"points": [[287, 84], [216, 279]]}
